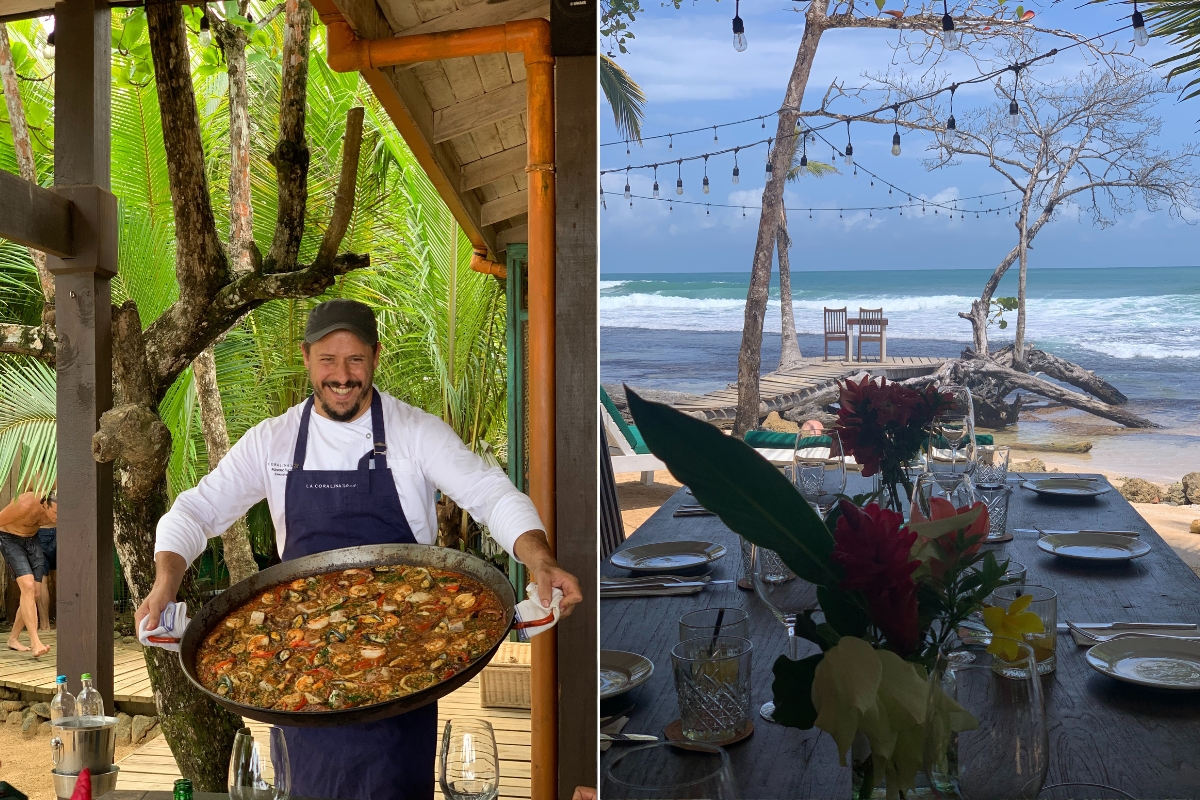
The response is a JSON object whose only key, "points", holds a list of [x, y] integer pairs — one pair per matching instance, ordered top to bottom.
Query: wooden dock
{"points": [[783, 389], [152, 767]]}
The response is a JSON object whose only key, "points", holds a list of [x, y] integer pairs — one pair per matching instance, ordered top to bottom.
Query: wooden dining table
{"points": [[1141, 741]]}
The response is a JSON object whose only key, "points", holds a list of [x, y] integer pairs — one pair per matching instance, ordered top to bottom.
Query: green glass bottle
{"points": [[183, 789]]}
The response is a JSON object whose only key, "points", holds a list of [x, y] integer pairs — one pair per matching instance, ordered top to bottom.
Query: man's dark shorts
{"points": [[49, 539], [23, 554]]}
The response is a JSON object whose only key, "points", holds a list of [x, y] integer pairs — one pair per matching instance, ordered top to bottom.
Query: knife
{"points": [[621, 587], [627, 737]]}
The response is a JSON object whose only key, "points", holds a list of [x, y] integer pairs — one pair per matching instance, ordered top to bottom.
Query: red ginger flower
{"points": [[875, 553]]}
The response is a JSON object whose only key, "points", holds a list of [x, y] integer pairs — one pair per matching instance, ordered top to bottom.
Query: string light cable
{"points": [[922, 204]]}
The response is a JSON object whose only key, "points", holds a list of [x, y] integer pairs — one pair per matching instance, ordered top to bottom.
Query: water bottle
{"points": [[90, 703], [63, 704]]}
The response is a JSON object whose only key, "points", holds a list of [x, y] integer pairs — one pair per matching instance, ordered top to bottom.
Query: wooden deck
{"points": [[783, 389], [152, 767]]}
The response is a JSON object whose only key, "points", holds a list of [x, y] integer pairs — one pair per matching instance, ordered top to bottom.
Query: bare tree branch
{"points": [[290, 156], [343, 203], [28, 340]]}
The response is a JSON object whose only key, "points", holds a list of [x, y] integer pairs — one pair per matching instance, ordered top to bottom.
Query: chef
{"points": [[352, 466]]}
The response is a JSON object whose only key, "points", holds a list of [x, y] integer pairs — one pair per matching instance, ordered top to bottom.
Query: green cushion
{"points": [[630, 432], [775, 440]]}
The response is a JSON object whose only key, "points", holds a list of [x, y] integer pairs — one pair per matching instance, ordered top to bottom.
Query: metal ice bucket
{"points": [[79, 743], [102, 783]]}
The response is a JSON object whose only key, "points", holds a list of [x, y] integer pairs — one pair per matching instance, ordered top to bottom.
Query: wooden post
{"points": [[83, 34], [578, 431]]}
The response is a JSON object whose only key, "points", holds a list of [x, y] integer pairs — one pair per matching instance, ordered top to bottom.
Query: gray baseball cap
{"points": [[342, 315]]}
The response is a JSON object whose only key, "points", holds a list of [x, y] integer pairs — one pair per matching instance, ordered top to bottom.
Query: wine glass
{"points": [[820, 473], [957, 489], [786, 595], [1001, 750], [469, 766], [661, 771], [252, 777]]}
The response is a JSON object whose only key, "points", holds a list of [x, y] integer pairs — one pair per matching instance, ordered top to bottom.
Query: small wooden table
{"points": [[851, 322], [1144, 742]]}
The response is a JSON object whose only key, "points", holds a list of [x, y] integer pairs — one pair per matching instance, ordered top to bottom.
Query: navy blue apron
{"points": [[325, 510]]}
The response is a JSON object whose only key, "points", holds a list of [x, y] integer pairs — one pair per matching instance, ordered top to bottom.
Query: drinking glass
{"points": [[951, 450], [992, 466], [820, 476], [959, 491], [995, 497], [786, 595], [1045, 605], [713, 622], [712, 682], [1005, 754], [469, 766], [660, 771], [253, 777]]}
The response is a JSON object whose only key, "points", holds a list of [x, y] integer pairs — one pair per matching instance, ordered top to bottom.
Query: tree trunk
{"points": [[25, 162], [242, 249], [1019, 344], [789, 345], [750, 354], [1067, 372], [1048, 390], [239, 556], [199, 732]]}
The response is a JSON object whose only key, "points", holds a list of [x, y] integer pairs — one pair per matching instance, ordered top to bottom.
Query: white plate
{"points": [[1067, 487], [1093, 546], [667, 556], [1159, 663], [621, 671]]}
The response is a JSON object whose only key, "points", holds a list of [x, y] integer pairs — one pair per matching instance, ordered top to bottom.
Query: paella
{"points": [[350, 638]]}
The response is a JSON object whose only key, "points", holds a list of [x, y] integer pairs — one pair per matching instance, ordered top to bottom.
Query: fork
{"points": [[1101, 639]]}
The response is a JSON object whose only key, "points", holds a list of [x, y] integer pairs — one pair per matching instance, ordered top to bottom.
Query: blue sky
{"points": [[692, 77]]}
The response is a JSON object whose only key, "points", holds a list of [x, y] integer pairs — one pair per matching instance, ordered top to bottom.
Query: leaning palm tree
{"points": [[625, 98], [789, 345]]}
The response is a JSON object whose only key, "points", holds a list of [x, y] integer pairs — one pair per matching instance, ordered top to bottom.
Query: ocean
{"points": [[1139, 328]]}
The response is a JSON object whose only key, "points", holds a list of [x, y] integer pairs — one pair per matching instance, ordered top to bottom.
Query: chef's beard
{"points": [[354, 411]]}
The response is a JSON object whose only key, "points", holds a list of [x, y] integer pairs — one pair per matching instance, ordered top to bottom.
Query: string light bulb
{"points": [[205, 29], [739, 29], [1141, 36], [950, 39], [1014, 110], [714, 134], [896, 134], [952, 134], [670, 141], [849, 157], [770, 168], [736, 172], [679, 177], [656, 182], [705, 183], [628, 194]]}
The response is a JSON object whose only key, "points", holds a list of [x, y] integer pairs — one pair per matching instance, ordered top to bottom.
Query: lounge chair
{"points": [[632, 454]]}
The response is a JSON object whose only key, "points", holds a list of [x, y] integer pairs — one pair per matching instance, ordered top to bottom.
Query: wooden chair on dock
{"points": [[870, 329], [836, 330]]}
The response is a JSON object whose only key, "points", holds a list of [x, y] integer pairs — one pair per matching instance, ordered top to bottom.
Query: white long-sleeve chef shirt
{"points": [[423, 453]]}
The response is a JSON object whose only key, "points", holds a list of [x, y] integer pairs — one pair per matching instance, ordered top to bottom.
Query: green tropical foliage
{"points": [[1180, 21], [624, 97], [441, 324]]}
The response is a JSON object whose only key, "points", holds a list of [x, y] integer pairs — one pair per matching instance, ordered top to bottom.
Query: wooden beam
{"points": [[477, 15], [401, 95], [489, 107], [82, 154], [493, 167], [504, 207], [34, 217], [518, 234]]}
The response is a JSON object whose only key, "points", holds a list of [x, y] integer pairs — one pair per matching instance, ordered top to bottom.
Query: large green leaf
{"points": [[741, 487], [792, 691]]}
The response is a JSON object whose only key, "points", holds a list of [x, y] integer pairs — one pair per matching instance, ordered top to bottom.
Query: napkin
{"points": [[532, 610], [171, 623], [611, 728], [83, 786]]}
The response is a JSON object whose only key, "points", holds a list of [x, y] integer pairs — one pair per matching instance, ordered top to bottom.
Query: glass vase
{"points": [[869, 779]]}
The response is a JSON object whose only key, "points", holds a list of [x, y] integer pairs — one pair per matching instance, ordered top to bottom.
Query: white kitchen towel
{"points": [[532, 610], [171, 624]]}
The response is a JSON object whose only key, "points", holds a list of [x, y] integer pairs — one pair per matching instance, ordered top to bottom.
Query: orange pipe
{"points": [[531, 38], [481, 263]]}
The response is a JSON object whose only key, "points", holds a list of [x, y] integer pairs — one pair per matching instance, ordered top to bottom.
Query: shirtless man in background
{"points": [[19, 524]]}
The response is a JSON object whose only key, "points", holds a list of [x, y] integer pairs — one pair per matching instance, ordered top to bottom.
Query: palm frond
{"points": [[625, 98], [817, 169], [28, 436]]}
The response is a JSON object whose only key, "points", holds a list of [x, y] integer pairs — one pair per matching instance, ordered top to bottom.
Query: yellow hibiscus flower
{"points": [[1010, 626]]}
